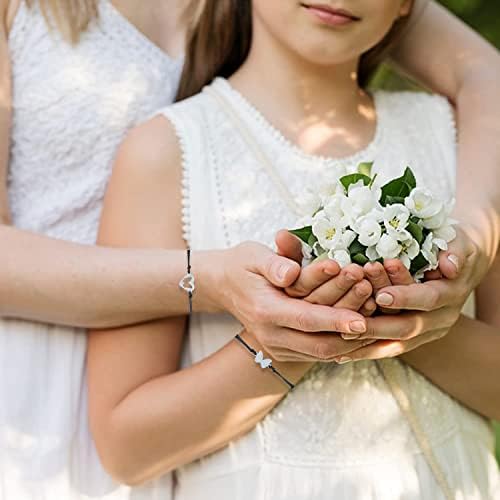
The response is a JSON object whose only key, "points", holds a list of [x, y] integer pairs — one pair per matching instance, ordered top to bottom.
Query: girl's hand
{"points": [[249, 282]]}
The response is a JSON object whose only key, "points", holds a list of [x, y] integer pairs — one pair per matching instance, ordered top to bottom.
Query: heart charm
{"points": [[187, 283]]}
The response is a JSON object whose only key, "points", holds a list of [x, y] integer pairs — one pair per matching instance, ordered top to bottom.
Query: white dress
{"points": [[72, 108], [339, 435]]}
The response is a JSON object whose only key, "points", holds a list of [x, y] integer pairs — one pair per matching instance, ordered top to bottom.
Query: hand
{"points": [[248, 282]]}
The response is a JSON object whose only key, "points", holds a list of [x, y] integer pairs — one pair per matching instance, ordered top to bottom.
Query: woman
{"points": [[86, 97], [242, 151]]}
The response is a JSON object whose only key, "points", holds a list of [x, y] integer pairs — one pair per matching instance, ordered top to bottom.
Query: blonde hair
{"points": [[70, 17]]}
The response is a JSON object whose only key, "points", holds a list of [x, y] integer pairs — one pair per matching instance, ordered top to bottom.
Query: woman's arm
{"points": [[450, 58], [147, 418]]}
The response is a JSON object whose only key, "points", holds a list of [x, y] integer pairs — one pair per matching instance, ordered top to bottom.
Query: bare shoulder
{"points": [[8, 11], [150, 150]]}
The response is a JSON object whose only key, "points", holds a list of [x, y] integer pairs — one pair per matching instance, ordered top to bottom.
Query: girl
{"points": [[72, 104], [236, 156]]}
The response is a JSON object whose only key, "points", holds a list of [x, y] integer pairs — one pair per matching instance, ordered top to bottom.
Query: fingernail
{"points": [[454, 260], [282, 270], [329, 272], [351, 278], [384, 299], [358, 326], [350, 336], [343, 360]]}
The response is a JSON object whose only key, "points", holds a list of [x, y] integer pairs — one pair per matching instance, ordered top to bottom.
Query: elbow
{"points": [[128, 462]]}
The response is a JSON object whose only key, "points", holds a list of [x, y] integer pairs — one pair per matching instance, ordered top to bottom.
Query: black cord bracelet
{"points": [[187, 283], [263, 362]]}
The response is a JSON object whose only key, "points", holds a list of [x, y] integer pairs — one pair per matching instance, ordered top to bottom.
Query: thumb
{"points": [[289, 245], [452, 260], [278, 270]]}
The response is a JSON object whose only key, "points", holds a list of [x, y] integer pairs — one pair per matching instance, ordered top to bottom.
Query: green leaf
{"points": [[365, 168], [347, 180], [398, 188], [392, 200], [416, 231], [304, 233], [312, 240], [356, 247], [360, 259], [418, 263]]}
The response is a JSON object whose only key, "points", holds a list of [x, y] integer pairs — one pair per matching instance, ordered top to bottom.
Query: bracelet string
{"points": [[265, 363]]}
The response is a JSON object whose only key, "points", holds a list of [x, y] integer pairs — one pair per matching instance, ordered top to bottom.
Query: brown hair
{"points": [[70, 17], [220, 36]]}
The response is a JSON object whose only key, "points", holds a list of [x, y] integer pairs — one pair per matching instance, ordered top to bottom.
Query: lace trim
{"points": [[257, 117], [186, 163]]}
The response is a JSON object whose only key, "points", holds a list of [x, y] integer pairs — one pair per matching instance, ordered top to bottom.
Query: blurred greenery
{"points": [[484, 17]]}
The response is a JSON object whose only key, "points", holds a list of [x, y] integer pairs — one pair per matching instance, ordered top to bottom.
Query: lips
{"points": [[331, 15]]}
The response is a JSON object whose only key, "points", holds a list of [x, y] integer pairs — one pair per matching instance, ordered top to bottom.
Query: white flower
{"points": [[331, 184], [360, 200], [422, 204], [333, 210], [396, 218], [439, 219], [369, 230], [328, 233], [443, 235], [388, 247], [409, 250], [306, 251], [430, 252], [342, 257]]}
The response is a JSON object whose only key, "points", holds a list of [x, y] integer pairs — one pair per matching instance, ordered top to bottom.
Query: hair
{"points": [[70, 17], [220, 36]]}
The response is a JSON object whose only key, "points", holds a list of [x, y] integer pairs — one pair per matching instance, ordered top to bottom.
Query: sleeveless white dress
{"points": [[72, 108], [339, 435]]}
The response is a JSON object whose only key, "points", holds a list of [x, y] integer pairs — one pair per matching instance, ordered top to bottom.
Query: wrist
{"points": [[208, 270]]}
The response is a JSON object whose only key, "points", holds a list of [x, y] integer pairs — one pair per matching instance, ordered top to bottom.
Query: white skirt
{"points": [[340, 436], [46, 451]]}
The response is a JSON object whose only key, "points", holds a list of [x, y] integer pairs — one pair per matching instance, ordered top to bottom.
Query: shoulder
{"points": [[8, 11], [416, 104]]}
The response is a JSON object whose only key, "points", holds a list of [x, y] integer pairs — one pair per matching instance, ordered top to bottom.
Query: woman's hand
{"points": [[250, 282]]}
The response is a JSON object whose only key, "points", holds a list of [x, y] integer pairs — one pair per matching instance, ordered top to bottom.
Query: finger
{"points": [[289, 245], [279, 271], [397, 272], [433, 275], [313, 276], [379, 279], [334, 289], [426, 296], [356, 297], [368, 308], [300, 315], [406, 326], [299, 346], [392, 348]]}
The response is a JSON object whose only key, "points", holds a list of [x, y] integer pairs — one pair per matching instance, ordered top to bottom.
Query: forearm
{"points": [[450, 58], [5, 120], [53, 281], [462, 363], [191, 413]]}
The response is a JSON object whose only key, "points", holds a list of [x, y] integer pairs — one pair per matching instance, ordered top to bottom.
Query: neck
{"points": [[322, 109]]}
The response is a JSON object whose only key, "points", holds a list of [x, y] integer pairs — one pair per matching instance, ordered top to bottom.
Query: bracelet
{"points": [[187, 283], [263, 362]]}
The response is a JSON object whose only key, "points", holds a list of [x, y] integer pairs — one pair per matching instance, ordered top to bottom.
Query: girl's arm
{"points": [[450, 58], [147, 418]]}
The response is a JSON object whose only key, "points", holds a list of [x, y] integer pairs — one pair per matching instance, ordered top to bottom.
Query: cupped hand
{"points": [[249, 284]]}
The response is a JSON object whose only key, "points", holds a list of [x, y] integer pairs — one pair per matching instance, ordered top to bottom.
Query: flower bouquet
{"points": [[353, 219]]}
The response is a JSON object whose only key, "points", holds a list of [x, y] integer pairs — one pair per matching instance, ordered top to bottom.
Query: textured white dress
{"points": [[72, 108], [340, 435]]}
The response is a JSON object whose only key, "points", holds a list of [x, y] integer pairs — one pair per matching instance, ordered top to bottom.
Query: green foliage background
{"points": [[484, 17]]}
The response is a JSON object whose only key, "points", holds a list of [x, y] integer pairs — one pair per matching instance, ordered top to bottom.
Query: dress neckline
{"points": [[141, 38], [367, 153]]}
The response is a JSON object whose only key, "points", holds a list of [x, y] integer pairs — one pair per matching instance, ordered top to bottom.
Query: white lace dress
{"points": [[72, 108], [340, 435]]}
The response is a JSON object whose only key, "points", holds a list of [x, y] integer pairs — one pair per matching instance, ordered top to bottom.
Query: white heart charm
{"points": [[187, 283]]}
